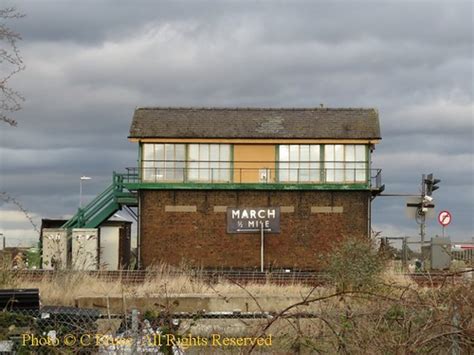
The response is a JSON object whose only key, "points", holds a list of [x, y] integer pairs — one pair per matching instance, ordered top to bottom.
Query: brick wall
{"points": [[197, 236]]}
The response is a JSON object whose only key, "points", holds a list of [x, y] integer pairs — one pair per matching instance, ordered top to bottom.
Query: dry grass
{"points": [[63, 289], [395, 316]]}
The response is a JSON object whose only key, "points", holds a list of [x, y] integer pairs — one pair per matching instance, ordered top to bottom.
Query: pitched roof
{"points": [[303, 123]]}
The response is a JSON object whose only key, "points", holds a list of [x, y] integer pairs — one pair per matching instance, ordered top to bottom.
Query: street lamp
{"points": [[80, 188]]}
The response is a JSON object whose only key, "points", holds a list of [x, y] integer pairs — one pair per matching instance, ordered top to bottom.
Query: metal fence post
{"points": [[134, 330], [455, 349]]}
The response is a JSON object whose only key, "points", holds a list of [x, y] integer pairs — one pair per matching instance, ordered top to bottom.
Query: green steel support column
{"points": [[140, 163], [277, 163], [367, 164], [231, 172], [322, 173]]}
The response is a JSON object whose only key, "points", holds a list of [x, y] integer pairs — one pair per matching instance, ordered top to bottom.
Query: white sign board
{"points": [[252, 219]]}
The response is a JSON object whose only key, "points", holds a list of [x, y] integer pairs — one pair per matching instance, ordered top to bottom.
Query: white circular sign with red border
{"points": [[444, 218]]}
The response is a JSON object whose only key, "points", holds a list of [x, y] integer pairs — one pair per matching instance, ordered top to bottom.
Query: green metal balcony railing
{"points": [[171, 174]]}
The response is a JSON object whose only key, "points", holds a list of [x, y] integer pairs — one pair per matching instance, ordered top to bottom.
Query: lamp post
{"points": [[80, 188]]}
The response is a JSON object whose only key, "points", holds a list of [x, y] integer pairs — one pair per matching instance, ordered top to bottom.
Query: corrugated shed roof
{"points": [[263, 123]]}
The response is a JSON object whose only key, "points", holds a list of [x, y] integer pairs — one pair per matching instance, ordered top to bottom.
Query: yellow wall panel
{"points": [[250, 160]]}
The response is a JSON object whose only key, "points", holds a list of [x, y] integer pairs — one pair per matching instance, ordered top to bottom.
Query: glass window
{"points": [[147, 161], [163, 162], [209, 162], [299, 163], [339, 163], [345, 163], [361, 163], [193, 164], [315, 164], [329, 164], [283, 165], [350, 170]]}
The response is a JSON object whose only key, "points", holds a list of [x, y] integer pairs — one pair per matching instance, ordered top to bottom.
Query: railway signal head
{"points": [[430, 183]]}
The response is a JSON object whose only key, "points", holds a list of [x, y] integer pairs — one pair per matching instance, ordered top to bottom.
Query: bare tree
{"points": [[12, 63]]}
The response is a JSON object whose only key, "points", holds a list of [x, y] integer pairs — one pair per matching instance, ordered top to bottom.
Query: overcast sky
{"points": [[90, 63]]}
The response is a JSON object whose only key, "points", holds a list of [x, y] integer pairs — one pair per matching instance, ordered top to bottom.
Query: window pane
{"points": [[148, 150], [159, 152], [169, 152], [180, 152], [193, 152], [204, 152], [214, 152], [225, 152], [314, 152], [350, 152], [284, 153], [294, 153], [304, 153], [329, 153], [339, 153], [360, 153], [283, 157], [169, 162], [203, 162], [214, 162], [329, 162], [147, 164], [179, 165], [224, 165], [339, 165], [350, 165], [361, 165], [193, 166], [179, 168], [350, 170], [193, 171], [214, 171], [283, 171], [225, 172], [293, 172], [304, 172], [315, 172], [339, 172], [361, 172], [147, 173], [204, 174]]}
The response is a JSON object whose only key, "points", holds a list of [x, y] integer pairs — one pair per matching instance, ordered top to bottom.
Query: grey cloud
{"points": [[90, 63]]}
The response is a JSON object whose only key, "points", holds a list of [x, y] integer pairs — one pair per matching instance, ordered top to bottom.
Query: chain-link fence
{"points": [[322, 321]]}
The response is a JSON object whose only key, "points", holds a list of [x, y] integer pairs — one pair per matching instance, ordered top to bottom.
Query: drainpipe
{"points": [[369, 216], [139, 222]]}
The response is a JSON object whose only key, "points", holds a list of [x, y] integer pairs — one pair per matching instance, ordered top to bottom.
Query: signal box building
{"points": [[209, 179]]}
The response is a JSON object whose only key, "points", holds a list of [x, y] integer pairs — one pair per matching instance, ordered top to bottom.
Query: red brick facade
{"points": [[200, 239]]}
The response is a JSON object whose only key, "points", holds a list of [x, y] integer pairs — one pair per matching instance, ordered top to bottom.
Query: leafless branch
{"points": [[10, 100], [9, 199]]}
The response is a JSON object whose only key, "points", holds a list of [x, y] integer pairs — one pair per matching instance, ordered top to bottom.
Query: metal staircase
{"points": [[103, 206]]}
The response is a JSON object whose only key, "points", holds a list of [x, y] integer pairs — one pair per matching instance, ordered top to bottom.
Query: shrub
{"points": [[353, 264]]}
